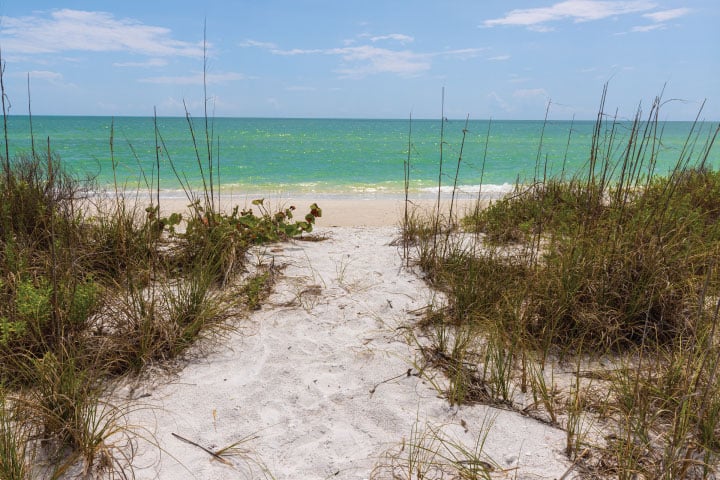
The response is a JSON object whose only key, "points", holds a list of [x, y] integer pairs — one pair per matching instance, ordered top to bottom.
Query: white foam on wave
{"points": [[488, 191]]}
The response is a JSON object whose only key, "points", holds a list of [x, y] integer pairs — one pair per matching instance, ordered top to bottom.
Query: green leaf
{"points": [[315, 210], [175, 219]]}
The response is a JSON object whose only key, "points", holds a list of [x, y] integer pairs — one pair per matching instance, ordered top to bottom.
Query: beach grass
{"points": [[97, 287], [591, 303], [432, 453]]}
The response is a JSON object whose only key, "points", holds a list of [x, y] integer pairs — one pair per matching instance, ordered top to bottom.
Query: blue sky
{"points": [[362, 59]]}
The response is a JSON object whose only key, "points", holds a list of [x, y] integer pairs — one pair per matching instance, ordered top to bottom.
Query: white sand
{"points": [[338, 210], [297, 378]]}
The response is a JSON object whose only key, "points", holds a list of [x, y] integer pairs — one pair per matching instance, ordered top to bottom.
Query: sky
{"points": [[500, 59]]}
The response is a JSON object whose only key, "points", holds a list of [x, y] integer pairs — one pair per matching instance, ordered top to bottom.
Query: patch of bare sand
{"points": [[302, 381]]}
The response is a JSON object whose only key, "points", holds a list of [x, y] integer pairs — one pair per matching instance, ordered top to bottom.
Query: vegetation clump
{"points": [[614, 271], [93, 289]]}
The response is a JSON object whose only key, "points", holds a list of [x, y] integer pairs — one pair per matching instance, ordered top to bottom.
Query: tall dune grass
{"points": [[614, 270], [92, 288]]}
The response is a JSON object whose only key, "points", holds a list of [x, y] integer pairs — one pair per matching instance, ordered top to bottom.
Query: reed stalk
{"points": [[457, 170]]}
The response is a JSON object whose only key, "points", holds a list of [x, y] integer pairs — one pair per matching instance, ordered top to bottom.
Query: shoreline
{"points": [[338, 210]]}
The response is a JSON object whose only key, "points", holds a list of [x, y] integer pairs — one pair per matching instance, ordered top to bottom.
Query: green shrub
{"points": [[555, 206], [220, 240]]}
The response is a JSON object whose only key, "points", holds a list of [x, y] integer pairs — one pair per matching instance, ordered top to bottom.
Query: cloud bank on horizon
{"points": [[284, 58]]}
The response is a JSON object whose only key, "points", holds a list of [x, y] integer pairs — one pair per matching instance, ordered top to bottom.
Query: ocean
{"points": [[332, 156]]}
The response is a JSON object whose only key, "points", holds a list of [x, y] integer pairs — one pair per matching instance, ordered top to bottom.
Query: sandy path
{"points": [[298, 376]]}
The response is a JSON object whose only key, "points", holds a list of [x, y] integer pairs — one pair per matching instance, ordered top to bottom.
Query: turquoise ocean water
{"points": [[330, 156]]}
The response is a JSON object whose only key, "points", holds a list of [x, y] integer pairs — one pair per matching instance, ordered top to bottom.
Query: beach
{"points": [[337, 211], [291, 240], [340, 372], [334, 376], [326, 379]]}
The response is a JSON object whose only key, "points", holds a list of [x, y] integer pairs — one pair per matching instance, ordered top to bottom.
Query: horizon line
{"points": [[447, 119]]}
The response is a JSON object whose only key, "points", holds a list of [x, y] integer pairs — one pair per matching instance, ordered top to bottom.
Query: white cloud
{"points": [[576, 10], [665, 15], [659, 18], [541, 28], [648, 28], [77, 30], [398, 37], [255, 43], [299, 51], [463, 53], [499, 58], [362, 60], [365, 60], [368, 60], [153, 62], [196, 79]]}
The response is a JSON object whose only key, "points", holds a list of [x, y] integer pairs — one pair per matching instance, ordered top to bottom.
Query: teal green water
{"points": [[333, 156]]}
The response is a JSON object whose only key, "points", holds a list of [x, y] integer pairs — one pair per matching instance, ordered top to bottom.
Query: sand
{"points": [[366, 210], [317, 381]]}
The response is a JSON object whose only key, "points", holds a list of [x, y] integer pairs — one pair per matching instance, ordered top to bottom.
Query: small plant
{"points": [[220, 240], [256, 288], [192, 308], [543, 393], [65, 407], [15, 434], [431, 453]]}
